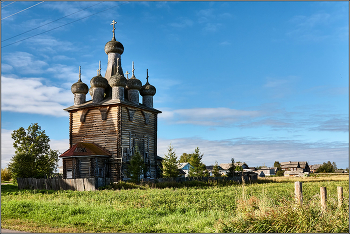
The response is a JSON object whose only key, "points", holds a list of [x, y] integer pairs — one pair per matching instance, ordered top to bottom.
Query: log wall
{"points": [[120, 129]]}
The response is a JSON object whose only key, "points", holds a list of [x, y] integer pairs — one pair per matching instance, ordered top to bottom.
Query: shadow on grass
{"points": [[13, 189]]}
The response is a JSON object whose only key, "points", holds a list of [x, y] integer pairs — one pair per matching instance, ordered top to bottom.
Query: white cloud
{"points": [[45, 43], [24, 63], [31, 96], [207, 116], [7, 150], [256, 152]]}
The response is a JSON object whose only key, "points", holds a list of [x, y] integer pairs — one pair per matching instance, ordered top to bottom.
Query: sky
{"points": [[255, 81]]}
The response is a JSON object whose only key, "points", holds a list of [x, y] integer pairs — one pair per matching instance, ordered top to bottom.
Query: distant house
{"points": [[226, 166], [185, 167], [211, 167], [314, 167], [295, 168], [250, 169], [267, 171]]}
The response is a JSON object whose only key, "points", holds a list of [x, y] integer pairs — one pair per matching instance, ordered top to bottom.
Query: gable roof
{"points": [[85, 149], [291, 164], [226, 166]]}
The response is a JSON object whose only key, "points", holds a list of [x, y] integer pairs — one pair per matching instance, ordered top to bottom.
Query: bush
{"points": [[5, 175]]}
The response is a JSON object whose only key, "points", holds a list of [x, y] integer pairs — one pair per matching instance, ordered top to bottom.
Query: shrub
{"points": [[5, 175]]}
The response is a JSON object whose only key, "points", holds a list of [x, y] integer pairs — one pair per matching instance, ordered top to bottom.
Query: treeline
{"points": [[197, 169]]}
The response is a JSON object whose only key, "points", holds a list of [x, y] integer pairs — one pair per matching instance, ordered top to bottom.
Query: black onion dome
{"points": [[114, 47], [117, 80], [99, 81], [134, 83], [79, 87], [147, 89]]}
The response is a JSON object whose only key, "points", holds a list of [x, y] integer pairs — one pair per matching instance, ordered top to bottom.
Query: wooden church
{"points": [[105, 131]]}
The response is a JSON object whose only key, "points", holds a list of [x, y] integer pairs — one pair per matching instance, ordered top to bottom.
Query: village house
{"points": [[107, 130], [226, 166], [211, 167], [314, 167], [295, 168], [184, 169], [266, 171]]}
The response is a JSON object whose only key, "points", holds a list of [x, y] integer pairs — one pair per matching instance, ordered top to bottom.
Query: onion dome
{"points": [[114, 46], [117, 80], [99, 81], [133, 82], [80, 87], [147, 89]]}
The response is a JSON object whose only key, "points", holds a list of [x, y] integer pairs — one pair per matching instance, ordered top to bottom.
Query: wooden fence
{"points": [[82, 184], [323, 195]]}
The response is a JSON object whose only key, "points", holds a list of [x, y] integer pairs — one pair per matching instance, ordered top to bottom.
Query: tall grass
{"points": [[267, 207]]}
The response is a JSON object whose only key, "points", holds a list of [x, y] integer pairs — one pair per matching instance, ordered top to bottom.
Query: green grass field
{"points": [[263, 207]]}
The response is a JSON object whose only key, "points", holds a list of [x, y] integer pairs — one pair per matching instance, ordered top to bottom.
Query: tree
{"points": [[33, 157], [184, 158], [170, 162], [277, 164], [136, 166], [326, 167], [198, 168], [239, 168], [232, 169], [216, 170], [279, 171], [5, 175]]}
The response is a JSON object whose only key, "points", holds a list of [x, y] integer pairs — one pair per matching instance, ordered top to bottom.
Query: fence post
{"points": [[298, 192], [323, 192], [340, 196]]}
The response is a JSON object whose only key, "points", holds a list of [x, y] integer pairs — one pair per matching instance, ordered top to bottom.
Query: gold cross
{"points": [[113, 23], [80, 73], [127, 73]]}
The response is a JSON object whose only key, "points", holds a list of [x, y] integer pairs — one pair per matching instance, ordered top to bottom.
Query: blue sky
{"points": [[256, 81]]}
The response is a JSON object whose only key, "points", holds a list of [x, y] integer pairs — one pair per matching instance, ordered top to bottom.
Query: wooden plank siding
{"points": [[138, 132], [115, 134]]}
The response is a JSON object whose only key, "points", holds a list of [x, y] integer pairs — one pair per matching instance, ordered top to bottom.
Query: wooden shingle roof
{"points": [[85, 149]]}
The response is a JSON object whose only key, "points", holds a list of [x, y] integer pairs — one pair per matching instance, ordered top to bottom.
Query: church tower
{"points": [[105, 131]]}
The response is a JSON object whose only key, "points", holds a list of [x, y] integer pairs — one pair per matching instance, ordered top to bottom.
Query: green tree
{"points": [[33, 156], [184, 158], [170, 163], [277, 164], [136, 166], [326, 167], [198, 168], [239, 168], [232, 169], [216, 170], [279, 171], [5, 175]]}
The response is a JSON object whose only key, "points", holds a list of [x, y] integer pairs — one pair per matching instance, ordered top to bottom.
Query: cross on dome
{"points": [[113, 23], [133, 68], [99, 69], [79, 73], [127, 73], [147, 75]]}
